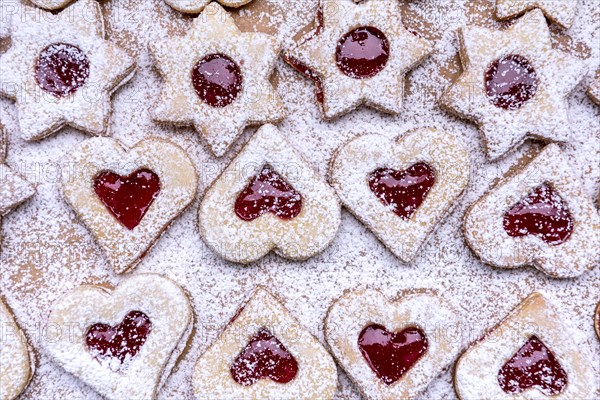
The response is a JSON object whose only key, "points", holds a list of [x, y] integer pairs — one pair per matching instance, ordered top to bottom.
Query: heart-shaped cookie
{"points": [[401, 189], [128, 198], [268, 198], [538, 214], [125, 341], [392, 349], [264, 353], [531, 354], [16, 360]]}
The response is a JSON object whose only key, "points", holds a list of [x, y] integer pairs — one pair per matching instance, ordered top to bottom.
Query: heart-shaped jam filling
{"points": [[362, 53], [61, 69], [217, 80], [510, 82], [404, 191], [268, 192], [128, 198], [542, 213], [115, 345], [391, 354], [264, 357], [533, 367]]}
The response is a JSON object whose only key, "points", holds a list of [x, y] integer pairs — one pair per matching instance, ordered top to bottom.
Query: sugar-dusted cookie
{"points": [[196, 6], [561, 12], [359, 54], [62, 71], [216, 78], [514, 84], [594, 91], [13, 188], [401, 189], [128, 198], [268, 198], [538, 215], [597, 320], [122, 342], [392, 349], [264, 354], [532, 354], [16, 359]]}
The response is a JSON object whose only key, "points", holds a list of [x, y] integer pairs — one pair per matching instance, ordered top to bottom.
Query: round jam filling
{"points": [[362, 53], [61, 69], [217, 80], [510, 82]]}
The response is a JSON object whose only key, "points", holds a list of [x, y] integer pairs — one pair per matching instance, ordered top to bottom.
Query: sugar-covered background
{"points": [[46, 251]]}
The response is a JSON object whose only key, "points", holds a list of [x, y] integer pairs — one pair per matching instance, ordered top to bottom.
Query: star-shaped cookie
{"points": [[196, 6], [561, 12], [359, 54], [61, 71], [216, 78], [514, 84], [594, 91], [13, 188]]}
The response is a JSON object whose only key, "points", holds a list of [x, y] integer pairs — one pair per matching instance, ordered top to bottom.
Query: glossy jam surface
{"points": [[362, 53], [61, 69], [217, 80], [510, 82], [404, 191], [268, 192], [128, 197], [542, 213], [118, 344], [391, 354], [264, 357], [533, 366]]}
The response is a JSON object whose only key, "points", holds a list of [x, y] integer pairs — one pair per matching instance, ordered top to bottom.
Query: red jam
{"points": [[362, 53], [61, 69], [217, 80], [510, 82], [403, 190], [268, 192], [128, 198], [542, 213], [121, 342], [390, 354], [264, 357], [533, 366]]}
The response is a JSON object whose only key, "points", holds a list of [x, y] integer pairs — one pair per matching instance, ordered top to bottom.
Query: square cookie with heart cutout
{"points": [[401, 189], [128, 198], [122, 342], [392, 349], [264, 354]]}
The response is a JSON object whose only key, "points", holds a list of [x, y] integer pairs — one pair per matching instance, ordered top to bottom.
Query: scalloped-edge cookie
{"points": [[197, 6], [561, 12], [359, 54], [61, 71], [216, 78], [514, 85], [14, 189], [401, 189], [128, 197], [268, 198], [538, 215], [122, 342], [392, 349], [264, 354], [532, 354], [17, 363]]}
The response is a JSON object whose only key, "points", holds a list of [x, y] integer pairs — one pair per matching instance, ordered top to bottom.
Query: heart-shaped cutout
{"points": [[402, 190], [268, 192], [128, 198], [542, 213], [117, 344], [391, 354], [264, 357], [533, 366]]}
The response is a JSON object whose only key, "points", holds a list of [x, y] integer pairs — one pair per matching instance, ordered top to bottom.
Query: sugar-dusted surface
{"points": [[47, 252]]}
